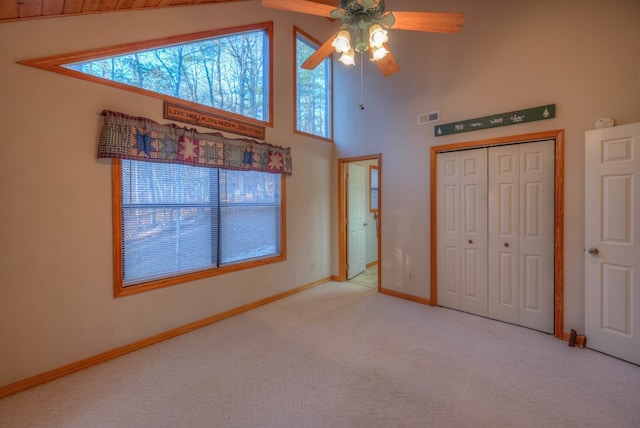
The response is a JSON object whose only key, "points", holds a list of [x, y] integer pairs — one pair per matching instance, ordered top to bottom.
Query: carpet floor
{"points": [[342, 355]]}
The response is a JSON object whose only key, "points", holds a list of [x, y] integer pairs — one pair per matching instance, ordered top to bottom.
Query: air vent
{"points": [[430, 117]]}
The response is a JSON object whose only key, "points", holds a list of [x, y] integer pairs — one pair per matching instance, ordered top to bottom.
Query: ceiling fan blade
{"points": [[302, 6], [436, 22], [320, 54], [388, 65]]}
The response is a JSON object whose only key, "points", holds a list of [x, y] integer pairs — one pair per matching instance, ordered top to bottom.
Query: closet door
{"points": [[504, 195], [448, 221], [473, 231], [537, 231], [462, 232], [521, 234]]}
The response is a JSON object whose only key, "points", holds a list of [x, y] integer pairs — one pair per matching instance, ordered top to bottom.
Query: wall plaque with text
{"points": [[502, 119], [209, 120]]}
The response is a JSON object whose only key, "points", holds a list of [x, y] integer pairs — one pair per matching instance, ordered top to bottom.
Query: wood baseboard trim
{"points": [[372, 264], [404, 296], [39, 379]]}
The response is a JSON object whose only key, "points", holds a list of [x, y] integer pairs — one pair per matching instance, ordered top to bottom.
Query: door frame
{"points": [[558, 136], [342, 213]]}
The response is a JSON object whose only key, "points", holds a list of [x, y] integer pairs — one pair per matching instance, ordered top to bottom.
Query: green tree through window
{"points": [[228, 72], [313, 91]]}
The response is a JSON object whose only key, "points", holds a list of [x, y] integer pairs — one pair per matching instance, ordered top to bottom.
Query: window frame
{"points": [[298, 31], [55, 64], [374, 186], [120, 289]]}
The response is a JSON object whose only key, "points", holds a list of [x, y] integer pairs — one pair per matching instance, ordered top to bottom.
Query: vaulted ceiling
{"points": [[16, 10]]}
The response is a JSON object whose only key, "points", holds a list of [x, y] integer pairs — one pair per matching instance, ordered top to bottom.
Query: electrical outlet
{"points": [[313, 265], [410, 276]]}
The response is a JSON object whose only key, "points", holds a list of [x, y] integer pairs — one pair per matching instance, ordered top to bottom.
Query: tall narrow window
{"points": [[313, 90]]}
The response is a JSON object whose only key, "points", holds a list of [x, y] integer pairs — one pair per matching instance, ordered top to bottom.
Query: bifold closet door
{"points": [[462, 230], [495, 232], [521, 234]]}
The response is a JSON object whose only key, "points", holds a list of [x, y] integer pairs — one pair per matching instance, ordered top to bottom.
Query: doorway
{"points": [[360, 219]]}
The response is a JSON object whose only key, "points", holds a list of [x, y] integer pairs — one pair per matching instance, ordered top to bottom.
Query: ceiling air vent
{"points": [[425, 118]]}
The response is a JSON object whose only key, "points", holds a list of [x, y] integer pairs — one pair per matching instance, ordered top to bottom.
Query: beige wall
{"points": [[584, 56], [56, 298], [56, 303]]}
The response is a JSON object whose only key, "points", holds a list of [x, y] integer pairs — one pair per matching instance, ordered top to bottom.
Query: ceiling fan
{"points": [[364, 28]]}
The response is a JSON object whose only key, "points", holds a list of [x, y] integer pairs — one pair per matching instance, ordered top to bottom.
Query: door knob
{"points": [[470, 241], [506, 244], [594, 251]]}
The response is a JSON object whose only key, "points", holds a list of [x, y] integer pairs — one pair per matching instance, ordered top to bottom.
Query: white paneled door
{"points": [[356, 207], [462, 220], [495, 232], [521, 234], [612, 241]]}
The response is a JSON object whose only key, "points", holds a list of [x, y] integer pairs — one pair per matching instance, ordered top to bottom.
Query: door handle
{"points": [[594, 251]]}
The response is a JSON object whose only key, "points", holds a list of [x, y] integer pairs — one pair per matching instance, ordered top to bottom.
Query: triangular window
{"points": [[224, 70]]}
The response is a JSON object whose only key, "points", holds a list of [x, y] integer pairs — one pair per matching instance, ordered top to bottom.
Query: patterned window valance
{"points": [[138, 138]]}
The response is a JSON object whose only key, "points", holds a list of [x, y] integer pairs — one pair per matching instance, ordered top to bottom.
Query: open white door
{"points": [[356, 211], [612, 241]]}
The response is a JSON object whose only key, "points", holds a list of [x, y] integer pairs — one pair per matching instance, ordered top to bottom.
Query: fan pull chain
{"points": [[361, 80]]}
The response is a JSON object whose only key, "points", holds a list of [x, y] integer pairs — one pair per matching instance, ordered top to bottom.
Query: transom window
{"points": [[313, 89]]}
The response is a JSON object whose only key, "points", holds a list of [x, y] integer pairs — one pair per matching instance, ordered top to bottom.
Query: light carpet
{"points": [[342, 355]]}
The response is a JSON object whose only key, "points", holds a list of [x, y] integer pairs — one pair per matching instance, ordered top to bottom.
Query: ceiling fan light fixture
{"points": [[365, 24], [378, 36], [342, 42], [378, 53], [348, 58]]}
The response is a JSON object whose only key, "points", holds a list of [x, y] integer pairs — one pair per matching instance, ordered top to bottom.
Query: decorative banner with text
{"points": [[502, 119], [209, 120]]}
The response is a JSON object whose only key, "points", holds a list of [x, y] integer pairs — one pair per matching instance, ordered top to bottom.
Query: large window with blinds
{"points": [[178, 223]]}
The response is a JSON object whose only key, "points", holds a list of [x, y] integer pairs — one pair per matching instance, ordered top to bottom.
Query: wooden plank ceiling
{"points": [[16, 10]]}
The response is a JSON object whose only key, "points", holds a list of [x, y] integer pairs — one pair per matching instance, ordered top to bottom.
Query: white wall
{"points": [[583, 56], [56, 298]]}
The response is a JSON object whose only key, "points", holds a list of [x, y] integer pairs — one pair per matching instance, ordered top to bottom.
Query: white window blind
{"points": [[249, 215], [178, 219]]}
